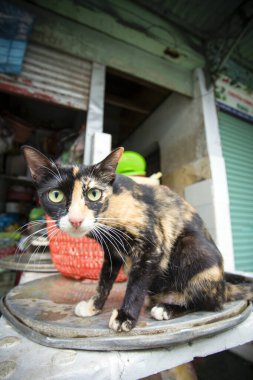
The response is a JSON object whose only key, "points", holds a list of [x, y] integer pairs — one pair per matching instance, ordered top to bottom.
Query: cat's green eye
{"points": [[94, 195], [56, 196]]}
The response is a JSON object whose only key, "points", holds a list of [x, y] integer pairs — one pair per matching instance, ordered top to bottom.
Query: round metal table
{"points": [[43, 310]]}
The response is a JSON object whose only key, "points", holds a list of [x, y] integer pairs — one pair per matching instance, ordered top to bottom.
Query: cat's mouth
{"points": [[79, 231], [76, 234]]}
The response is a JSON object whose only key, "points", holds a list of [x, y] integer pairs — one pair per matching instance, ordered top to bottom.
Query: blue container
{"points": [[15, 26], [11, 55]]}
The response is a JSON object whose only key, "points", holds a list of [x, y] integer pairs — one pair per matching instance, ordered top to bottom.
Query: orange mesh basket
{"points": [[79, 258]]}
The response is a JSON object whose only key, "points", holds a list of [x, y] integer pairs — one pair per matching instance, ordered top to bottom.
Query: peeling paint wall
{"points": [[178, 127]]}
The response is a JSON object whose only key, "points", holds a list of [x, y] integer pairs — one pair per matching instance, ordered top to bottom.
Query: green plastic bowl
{"points": [[131, 163]]}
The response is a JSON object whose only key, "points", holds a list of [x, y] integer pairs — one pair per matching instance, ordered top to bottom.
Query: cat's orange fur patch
{"points": [[75, 170], [77, 207], [127, 211], [211, 274], [172, 298]]}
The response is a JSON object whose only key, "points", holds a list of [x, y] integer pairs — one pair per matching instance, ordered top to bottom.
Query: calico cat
{"points": [[170, 255]]}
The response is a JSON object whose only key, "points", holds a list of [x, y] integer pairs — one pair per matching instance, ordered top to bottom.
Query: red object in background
{"points": [[22, 130], [20, 193], [7, 251], [78, 258]]}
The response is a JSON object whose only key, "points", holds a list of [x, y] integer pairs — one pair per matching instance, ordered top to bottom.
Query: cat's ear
{"points": [[36, 161], [109, 164]]}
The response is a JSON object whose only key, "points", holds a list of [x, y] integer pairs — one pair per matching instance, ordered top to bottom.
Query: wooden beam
{"points": [[81, 41], [143, 82], [126, 104]]}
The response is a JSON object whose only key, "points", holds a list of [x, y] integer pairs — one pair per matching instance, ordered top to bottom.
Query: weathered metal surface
{"points": [[199, 17], [131, 24], [226, 29], [88, 43], [51, 76], [29, 262], [43, 310]]}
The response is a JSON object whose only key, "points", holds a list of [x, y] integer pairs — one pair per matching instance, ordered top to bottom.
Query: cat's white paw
{"points": [[86, 308], [160, 313], [120, 324]]}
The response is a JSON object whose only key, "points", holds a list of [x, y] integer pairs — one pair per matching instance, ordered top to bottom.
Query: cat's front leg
{"points": [[108, 274], [140, 278]]}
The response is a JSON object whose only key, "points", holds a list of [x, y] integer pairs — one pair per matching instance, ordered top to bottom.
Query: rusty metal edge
{"points": [[25, 267], [124, 342]]}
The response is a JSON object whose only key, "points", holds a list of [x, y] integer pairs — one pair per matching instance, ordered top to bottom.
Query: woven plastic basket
{"points": [[78, 258]]}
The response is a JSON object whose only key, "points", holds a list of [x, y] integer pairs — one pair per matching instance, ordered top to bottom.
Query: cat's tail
{"points": [[238, 287]]}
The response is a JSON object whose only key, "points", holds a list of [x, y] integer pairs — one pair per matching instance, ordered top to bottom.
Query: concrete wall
{"points": [[177, 126], [187, 132], [200, 195]]}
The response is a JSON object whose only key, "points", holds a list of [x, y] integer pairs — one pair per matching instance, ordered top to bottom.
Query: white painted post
{"points": [[95, 111], [101, 146], [223, 230]]}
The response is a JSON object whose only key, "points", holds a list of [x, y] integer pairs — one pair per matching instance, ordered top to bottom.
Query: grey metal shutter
{"points": [[51, 76], [237, 147]]}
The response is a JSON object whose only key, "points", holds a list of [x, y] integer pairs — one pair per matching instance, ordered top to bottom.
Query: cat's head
{"points": [[73, 196]]}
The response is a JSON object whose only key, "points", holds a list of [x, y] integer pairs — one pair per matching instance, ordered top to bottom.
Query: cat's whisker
{"points": [[56, 167], [92, 171], [58, 174], [55, 175], [116, 219], [33, 223], [119, 224], [22, 228], [130, 228], [134, 229], [40, 230], [52, 230], [100, 231], [107, 232], [120, 232], [50, 234], [98, 234], [118, 237], [121, 239], [29, 240], [111, 240], [150, 241], [25, 242], [37, 250], [42, 253], [31, 256]]}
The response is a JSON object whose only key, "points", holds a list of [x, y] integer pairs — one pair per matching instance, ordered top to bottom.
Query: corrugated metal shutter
{"points": [[51, 76], [237, 146]]}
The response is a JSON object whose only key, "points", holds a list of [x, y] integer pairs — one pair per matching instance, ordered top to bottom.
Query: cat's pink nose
{"points": [[76, 223]]}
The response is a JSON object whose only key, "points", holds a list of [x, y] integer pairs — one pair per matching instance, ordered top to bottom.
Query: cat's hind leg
{"points": [[201, 293], [167, 306], [164, 311]]}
